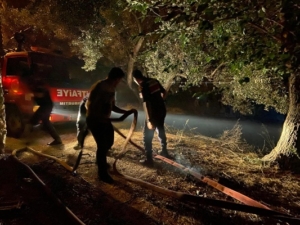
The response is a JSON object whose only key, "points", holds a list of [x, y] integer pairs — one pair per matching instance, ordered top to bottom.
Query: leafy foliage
{"points": [[231, 40], [224, 41], [85, 44], [164, 64]]}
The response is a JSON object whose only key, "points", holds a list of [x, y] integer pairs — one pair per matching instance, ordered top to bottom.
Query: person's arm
{"points": [[163, 91], [116, 109], [124, 112]]}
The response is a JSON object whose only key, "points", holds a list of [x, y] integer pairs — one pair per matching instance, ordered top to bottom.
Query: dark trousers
{"points": [[43, 114], [82, 129], [103, 133], [148, 136]]}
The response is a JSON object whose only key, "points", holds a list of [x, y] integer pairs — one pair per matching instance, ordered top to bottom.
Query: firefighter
{"points": [[153, 96], [43, 99], [100, 104], [82, 130]]}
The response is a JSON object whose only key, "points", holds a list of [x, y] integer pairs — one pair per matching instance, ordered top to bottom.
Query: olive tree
{"points": [[253, 47]]}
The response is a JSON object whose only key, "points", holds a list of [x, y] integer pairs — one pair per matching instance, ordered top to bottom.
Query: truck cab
{"points": [[53, 69]]}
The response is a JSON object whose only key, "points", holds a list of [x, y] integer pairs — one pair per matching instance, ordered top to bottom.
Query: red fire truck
{"points": [[52, 68]]}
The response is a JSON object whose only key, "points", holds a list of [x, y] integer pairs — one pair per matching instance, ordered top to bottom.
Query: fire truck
{"points": [[54, 70]]}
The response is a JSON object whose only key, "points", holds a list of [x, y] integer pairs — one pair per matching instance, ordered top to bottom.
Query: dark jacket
{"points": [[152, 90], [41, 94]]}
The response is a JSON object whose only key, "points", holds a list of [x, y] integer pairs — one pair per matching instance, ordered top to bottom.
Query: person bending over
{"points": [[153, 95], [100, 104]]}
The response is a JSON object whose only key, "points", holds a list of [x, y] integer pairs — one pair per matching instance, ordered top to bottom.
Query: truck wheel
{"points": [[14, 121]]}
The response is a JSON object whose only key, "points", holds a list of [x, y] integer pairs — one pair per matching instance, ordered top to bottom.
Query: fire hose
{"points": [[63, 163], [48, 191], [232, 193], [251, 206]]}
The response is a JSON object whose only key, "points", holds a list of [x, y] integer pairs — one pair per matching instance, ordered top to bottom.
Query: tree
{"points": [[49, 26], [105, 29], [123, 35], [250, 49], [265, 51], [2, 109]]}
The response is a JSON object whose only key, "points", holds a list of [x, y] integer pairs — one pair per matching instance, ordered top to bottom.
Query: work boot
{"points": [[55, 142], [78, 147], [164, 153], [148, 161], [106, 178]]}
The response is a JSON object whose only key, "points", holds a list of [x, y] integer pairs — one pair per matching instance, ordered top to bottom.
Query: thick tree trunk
{"points": [[1, 37], [135, 51], [132, 59], [170, 82], [2, 108], [2, 122], [289, 140]]}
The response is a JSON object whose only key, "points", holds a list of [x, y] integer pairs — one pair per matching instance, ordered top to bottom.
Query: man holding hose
{"points": [[100, 104]]}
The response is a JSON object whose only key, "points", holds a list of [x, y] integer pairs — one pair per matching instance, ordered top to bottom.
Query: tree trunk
{"points": [[1, 37], [135, 51], [132, 58], [170, 81], [2, 108], [2, 122], [289, 140]]}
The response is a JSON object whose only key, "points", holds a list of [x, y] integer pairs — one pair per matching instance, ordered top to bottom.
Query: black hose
{"points": [[48, 191], [193, 198]]}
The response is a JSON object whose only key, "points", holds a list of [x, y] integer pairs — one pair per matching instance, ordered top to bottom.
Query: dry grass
{"points": [[228, 157]]}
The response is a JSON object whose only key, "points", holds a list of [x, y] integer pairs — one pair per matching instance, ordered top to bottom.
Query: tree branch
{"points": [[279, 24], [264, 31], [218, 67], [170, 80]]}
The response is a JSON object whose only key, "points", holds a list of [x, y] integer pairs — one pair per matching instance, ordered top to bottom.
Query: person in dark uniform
{"points": [[153, 96], [43, 99], [100, 104], [82, 129]]}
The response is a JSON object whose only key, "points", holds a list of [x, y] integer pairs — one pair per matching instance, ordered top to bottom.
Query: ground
{"points": [[61, 197]]}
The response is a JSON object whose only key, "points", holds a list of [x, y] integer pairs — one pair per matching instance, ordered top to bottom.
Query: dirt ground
{"points": [[25, 200]]}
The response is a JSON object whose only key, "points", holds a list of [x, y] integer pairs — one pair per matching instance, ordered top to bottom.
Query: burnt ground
{"points": [[24, 200]]}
